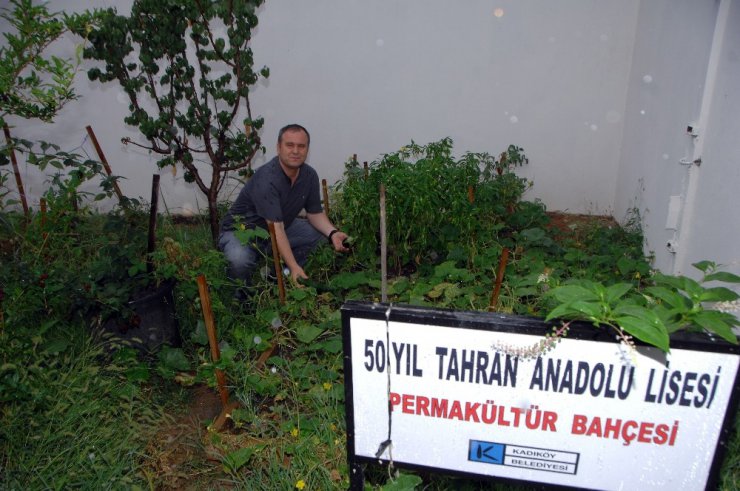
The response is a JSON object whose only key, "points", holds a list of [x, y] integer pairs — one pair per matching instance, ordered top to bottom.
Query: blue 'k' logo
{"points": [[486, 452]]}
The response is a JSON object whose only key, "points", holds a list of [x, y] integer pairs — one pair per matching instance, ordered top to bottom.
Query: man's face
{"points": [[292, 149]]}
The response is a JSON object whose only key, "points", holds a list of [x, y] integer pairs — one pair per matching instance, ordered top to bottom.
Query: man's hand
{"points": [[337, 240], [297, 273]]}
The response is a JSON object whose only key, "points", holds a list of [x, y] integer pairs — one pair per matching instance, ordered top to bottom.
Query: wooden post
{"points": [[99, 150], [16, 170], [367, 170], [471, 195], [326, 196], [42, 205], [152, 224], [44, 233], [383, 250], [276, 261], [499, 278], [205, 302]]}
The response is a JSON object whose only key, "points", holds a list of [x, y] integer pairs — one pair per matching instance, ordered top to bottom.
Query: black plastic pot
{"points": [[148, 324]]}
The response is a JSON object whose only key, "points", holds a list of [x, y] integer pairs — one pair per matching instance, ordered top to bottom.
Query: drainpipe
{"points": [[696, 132]]}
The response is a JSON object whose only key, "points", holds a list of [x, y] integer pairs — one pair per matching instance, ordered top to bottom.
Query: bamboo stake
{"points": [[99, 150], [365, 167], [16, 170], [471, 195], [326, 196], [42, 204], [152, 224], [383, 249], [276, 261], [499, 278], [205, 302]]}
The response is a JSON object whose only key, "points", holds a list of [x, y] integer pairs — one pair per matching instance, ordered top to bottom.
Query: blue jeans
{"points": [[243, 259]]}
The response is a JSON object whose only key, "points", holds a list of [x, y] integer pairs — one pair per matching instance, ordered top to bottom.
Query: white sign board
{"points": [[588, 414]]}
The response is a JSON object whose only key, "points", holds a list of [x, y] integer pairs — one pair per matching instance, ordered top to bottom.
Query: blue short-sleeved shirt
{"points": [[268, 195]]}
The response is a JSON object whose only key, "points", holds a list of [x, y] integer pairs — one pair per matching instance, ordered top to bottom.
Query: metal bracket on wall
{"points": [[696, 162]]}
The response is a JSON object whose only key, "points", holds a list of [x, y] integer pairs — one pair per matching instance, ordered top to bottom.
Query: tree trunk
{"points": [[213, 217]]}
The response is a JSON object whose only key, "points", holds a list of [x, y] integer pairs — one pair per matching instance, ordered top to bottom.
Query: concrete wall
{"points": [[685, 71], [368, 77], [599, 94]]}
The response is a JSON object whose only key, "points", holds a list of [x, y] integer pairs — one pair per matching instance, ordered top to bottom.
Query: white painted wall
{"points": [[368, 77], [666, 83], [672, 84], [598, 93], [712, 228]]}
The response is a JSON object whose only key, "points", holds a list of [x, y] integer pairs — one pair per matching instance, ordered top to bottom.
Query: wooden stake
{"points": [[99, 150], [16, 170], [367, 170], [471, 195], [326, 196], [42, 204], [152, 224], [383, 250], [276, 261], [499, 278], [205, 302]]}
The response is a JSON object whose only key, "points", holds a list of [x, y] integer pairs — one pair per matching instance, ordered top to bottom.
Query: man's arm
{"points": [[322, 223], [296, 271]]}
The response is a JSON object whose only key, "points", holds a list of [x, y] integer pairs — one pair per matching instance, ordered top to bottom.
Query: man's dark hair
{"points": [[293, 127]]}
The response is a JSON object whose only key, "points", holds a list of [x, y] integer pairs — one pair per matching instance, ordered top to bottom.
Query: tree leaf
{"points": [[722, 276], [615, 292], [571, 293], [718, 294], [668, 296], [719, 323], [645, 331], [307, 332]]}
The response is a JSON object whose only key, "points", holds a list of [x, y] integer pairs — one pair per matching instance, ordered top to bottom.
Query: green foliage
{"points": [[191, 62], [35, 86], [427, 201], [670, 304], [69, 420]]}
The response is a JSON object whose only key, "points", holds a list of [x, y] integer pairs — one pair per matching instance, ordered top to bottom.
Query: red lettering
{"points": [[395, 399], [408, 404], [422, 405], [439, 407], [455, 411], [471, 411], [579, 424], [595, 427], [646, 433]]}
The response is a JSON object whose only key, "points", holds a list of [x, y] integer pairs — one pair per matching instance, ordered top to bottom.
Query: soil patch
{"points": [[569, 224], [177, 456]]}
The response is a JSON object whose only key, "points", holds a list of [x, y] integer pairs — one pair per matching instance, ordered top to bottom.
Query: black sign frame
{"points": [[490, 321]]}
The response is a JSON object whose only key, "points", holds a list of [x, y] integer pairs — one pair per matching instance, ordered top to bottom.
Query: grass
{"points": [[73, 417], [76, 423]]}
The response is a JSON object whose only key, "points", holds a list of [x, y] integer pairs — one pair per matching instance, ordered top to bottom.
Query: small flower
{"points": [[242, 226], [257, 340], [273, 369], [327, 386], [294, 432], [300, 484]]}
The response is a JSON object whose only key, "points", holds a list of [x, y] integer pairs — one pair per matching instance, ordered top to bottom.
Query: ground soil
{"points": [[569, 223], [179, 456]]}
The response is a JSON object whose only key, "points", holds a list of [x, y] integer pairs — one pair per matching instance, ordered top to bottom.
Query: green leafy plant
{"points": [[171, 56], [33, 85], [428, 201], [670, 304]]}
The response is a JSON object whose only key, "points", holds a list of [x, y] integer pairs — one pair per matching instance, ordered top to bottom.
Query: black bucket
{"points": [[150, 322]]}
